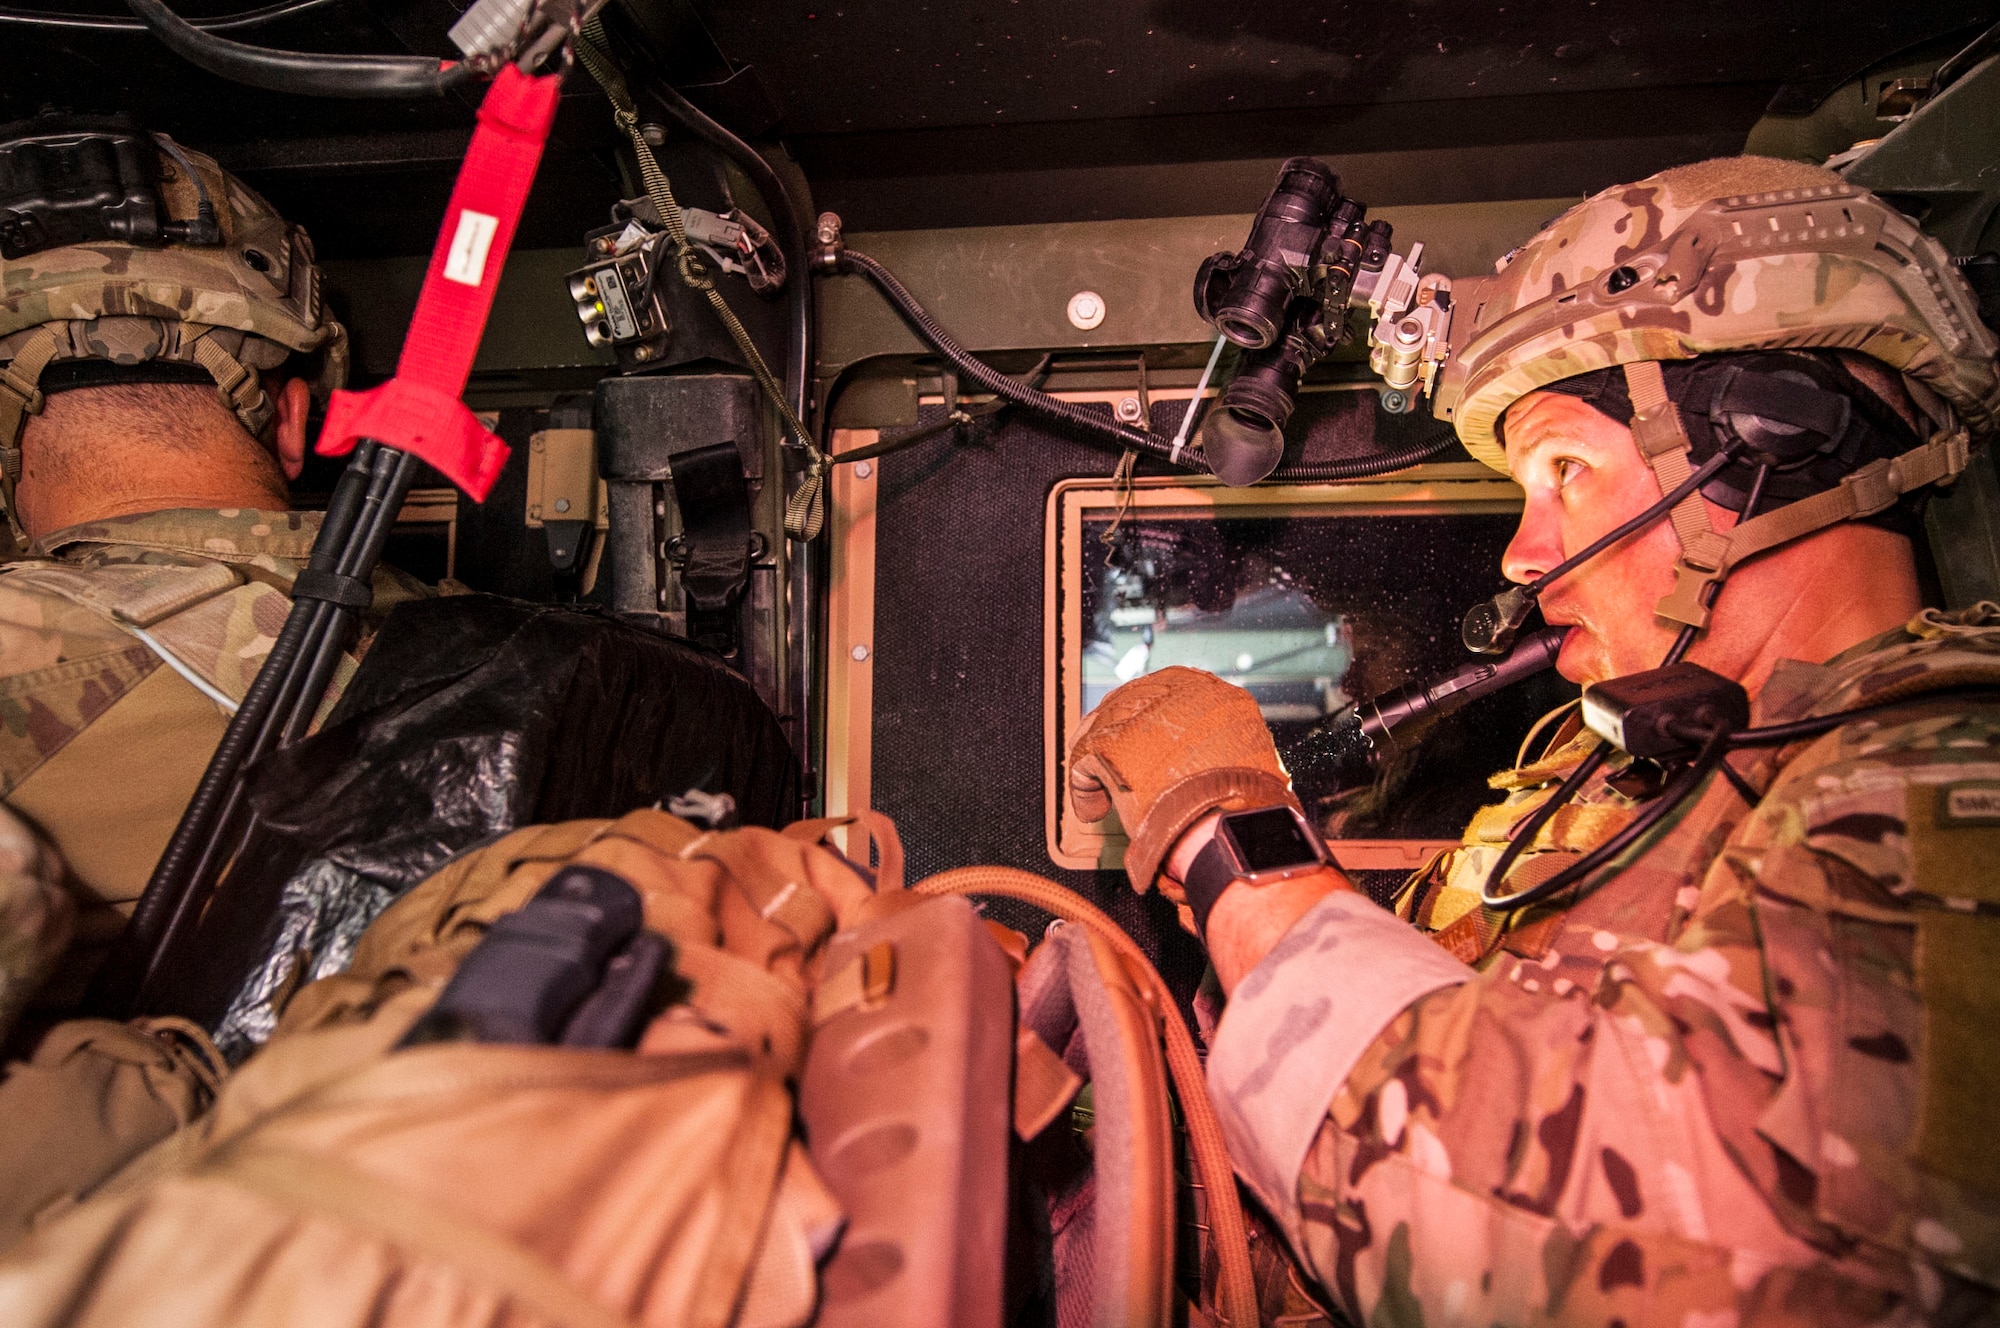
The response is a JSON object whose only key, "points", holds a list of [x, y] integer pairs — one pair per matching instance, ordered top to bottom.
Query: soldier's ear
{"points": [[292, 399]]}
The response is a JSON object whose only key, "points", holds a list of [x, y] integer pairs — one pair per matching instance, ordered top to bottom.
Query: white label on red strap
{"points": [[465, 262]]}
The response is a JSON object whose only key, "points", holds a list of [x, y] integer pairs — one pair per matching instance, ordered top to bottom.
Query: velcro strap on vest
{"points": [[347, 591], [142, 596], [1230, 788]]}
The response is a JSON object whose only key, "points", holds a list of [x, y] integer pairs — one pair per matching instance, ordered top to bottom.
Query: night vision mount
{"points": [[1311, 257]]}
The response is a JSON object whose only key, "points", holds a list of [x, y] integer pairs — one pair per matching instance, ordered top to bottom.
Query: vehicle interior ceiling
{"points": [[1000, 156]]}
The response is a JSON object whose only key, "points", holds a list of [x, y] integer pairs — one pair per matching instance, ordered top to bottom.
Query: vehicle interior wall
{"points": [[1001, 159]]}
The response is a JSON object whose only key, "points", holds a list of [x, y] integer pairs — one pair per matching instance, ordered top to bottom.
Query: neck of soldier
{"points": [[68, 479], [1809, 601]]}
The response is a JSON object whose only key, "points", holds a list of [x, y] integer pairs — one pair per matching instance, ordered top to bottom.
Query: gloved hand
{"points": [[1165, 750]]}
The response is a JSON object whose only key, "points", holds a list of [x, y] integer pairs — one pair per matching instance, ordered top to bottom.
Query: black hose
{"points": [[249, 18], [352, 76], [1000, 384], [1088, 422], [1381, 463], [396, 471], [300, 694], [165, 901]]}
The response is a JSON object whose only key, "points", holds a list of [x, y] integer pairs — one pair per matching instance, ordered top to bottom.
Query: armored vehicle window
{"points": [[1312, 601]]}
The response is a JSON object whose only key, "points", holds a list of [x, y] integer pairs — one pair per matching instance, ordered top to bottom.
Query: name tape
{"points": [[1972, 802]]}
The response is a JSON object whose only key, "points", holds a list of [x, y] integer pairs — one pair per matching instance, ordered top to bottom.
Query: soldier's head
{"points": [[161, 328], [1814, 345]]}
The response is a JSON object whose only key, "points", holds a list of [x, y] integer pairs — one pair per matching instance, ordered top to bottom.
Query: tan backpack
{"points": [[341, 1180]]}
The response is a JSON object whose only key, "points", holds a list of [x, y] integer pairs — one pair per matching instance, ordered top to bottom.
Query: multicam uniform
{"points": [[102, 733], [100, 746], [1750, 1076], [1749, 1080]]}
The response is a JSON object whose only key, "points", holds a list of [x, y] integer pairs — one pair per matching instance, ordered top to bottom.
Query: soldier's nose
{"points": [[1535, 548]]}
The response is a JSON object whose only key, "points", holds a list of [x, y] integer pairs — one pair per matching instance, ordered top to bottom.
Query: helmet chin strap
{"points": [[1708, 556]]}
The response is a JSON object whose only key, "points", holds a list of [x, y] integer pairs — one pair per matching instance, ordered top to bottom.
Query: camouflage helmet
{"points": [[1733, 254], [1726, 256], [247, 304]]}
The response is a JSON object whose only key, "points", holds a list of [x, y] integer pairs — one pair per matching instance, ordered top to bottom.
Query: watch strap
{"points": [[1211, 872]]}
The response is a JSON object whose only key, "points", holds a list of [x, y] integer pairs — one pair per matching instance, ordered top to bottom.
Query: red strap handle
{"points": [[419, 409]]}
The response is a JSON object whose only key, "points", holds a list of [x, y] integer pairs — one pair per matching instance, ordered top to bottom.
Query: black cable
{"points": [[250, 18], [1958, 65], [351, 76], [785, 219], [1035, 377], [1000, 384], [1089, 422], [1381, 463], [396, 471], [1756, 498], [303, 688], [1778, 735], [1711, 757], [1736, 780], [1668, 801], [1524, 834], [164, 904]]}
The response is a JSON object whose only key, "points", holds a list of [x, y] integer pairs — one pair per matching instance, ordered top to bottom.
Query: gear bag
{"points": [[459, 1182]]}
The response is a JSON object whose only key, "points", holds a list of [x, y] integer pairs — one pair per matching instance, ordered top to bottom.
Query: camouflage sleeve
{"points": [[1289, 1035], [1782, 1115], [1507, 1154]]}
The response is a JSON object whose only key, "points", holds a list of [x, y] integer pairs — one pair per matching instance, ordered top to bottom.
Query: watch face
{"points": [[1271, 839]]}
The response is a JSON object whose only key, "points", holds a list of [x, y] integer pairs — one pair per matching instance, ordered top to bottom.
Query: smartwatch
{"points": [[1256, 847]]}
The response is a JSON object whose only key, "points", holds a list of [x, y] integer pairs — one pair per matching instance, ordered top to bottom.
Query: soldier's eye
{"points": [[1567, 469]]}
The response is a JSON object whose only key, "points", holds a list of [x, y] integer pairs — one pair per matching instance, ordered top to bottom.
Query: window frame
{"points": [[1442, 489]]}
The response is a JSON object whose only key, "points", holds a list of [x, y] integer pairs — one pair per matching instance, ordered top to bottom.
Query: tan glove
{"points": [[1165, 750]]}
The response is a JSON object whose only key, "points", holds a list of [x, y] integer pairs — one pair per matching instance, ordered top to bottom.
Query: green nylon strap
{"points": [[805, 512]]}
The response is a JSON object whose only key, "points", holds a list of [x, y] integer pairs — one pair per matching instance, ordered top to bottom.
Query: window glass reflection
{"points": [[1311, 614]]}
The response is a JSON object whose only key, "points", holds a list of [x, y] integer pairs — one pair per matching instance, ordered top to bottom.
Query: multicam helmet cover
{"points": [[1734, 254], [248, 304]]}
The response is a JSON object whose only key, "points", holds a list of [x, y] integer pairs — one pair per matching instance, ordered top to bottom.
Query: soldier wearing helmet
{"points": [[161, 334], [1742, 1071]]}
